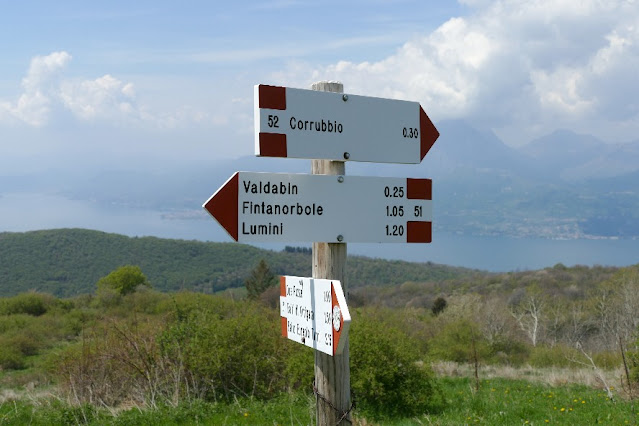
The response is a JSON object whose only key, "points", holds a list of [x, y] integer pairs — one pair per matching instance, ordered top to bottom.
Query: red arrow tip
{"points": [[429, 133], [223, 205], [336, 333]]}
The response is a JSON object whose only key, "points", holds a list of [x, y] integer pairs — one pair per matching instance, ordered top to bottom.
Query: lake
{"points": [[27, 212]]}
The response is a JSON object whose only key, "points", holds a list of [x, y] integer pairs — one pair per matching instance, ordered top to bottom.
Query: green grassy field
{"points": [[498, 402]]}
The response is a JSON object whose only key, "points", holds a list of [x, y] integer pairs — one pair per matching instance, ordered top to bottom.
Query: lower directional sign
{"points": [[279, 207], [314, 313]]}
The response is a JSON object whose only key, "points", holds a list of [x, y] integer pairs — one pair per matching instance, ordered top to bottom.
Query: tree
{"points": [[260, 279], [124, 280], [439, 305], [530, 313]]}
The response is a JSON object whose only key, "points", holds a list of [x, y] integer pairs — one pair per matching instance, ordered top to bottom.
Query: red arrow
{"points": [[429, 133], [223, 205], [336, 333]]}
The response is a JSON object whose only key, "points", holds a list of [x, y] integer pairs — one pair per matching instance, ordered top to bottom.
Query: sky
{"points": [[151, 83]]}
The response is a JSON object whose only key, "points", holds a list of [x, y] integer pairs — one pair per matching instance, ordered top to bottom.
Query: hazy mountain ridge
{"points": [[563, 185]]}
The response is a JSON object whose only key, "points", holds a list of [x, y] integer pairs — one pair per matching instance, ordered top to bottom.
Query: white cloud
{"points": [[518, 66], [43, 69], [46, 92], [104, 97], [34, 104]]}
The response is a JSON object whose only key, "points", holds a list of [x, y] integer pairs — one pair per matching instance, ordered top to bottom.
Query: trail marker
{"points": [[301, 123], [281, 207], [314, 313]]}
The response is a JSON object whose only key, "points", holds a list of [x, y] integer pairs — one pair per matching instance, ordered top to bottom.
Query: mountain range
{"points": [[561, 185]]}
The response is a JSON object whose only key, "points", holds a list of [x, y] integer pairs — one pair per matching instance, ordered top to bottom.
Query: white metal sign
{"points": [[301, 123], [281, 207], [314, 313]]}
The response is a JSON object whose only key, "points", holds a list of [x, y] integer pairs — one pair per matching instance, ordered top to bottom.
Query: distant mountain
{"points": [[461, 146], [564, 149], [576, 157], [613, 161], [562, 185]]}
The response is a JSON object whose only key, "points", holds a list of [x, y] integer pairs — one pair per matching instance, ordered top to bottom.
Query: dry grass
{"points": [[551, 376], [33, 395]]}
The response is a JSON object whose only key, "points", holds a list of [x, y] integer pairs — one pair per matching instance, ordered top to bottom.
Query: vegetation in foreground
{"points": [[131, 355], [497, 402]]}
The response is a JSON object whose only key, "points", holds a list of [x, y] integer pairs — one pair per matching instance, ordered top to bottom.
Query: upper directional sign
{"points": [[310, 124], [280, 207]]}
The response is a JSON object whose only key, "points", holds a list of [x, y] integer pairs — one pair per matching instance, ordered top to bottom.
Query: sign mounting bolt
{"points": [[344, 98], [347, 156], [340, 179], [340, 238]]}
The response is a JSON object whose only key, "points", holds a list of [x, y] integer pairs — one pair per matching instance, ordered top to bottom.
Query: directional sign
{"points": [[301, 123], [279, 207], [314, 313]]}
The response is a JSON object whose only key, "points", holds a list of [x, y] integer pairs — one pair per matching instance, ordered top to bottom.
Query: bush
{"points": [[124, 280], [32, 303], [27, 335], [460, 341], [508, 352], [239, 353], [556, 356], [10, 357], [608, 360], [116, 361], [300, 366], [388, 377]]}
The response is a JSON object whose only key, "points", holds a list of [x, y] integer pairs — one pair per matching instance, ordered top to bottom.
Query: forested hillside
{"points": [[68, 262], [559, 283]]}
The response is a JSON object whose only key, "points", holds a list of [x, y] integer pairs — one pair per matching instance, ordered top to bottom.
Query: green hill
{"points": [[67, 262]]}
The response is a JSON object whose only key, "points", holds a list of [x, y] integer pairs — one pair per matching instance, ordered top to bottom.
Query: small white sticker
{"points": [[337, 318]]}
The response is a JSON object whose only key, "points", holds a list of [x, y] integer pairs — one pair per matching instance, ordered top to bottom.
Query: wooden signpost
{"points": [[328, 208]]}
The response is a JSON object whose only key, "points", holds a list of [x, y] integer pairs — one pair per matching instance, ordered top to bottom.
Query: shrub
{"points": [[124, 280], [32, 303], [439, 305], [77, 320], [460, 341], [508, 352], [236, 354], [556, 356], [10, 357], [608, 360], [115, 362], [300, 366], [387, 375]]}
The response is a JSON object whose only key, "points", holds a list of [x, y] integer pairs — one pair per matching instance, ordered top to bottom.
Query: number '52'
{"points": [[273, 121]]}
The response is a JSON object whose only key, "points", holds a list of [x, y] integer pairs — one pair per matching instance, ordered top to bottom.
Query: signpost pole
{"points": [[332, 373]]}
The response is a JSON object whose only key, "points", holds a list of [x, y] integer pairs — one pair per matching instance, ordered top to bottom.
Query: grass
{"points": [[497, 402], [521, 402], [295, 409]]}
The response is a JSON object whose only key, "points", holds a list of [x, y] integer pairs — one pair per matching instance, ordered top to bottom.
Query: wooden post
{"points": [[332, 373]]}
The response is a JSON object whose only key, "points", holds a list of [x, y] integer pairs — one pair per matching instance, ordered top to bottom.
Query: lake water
{"points": [[26, 212]]}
